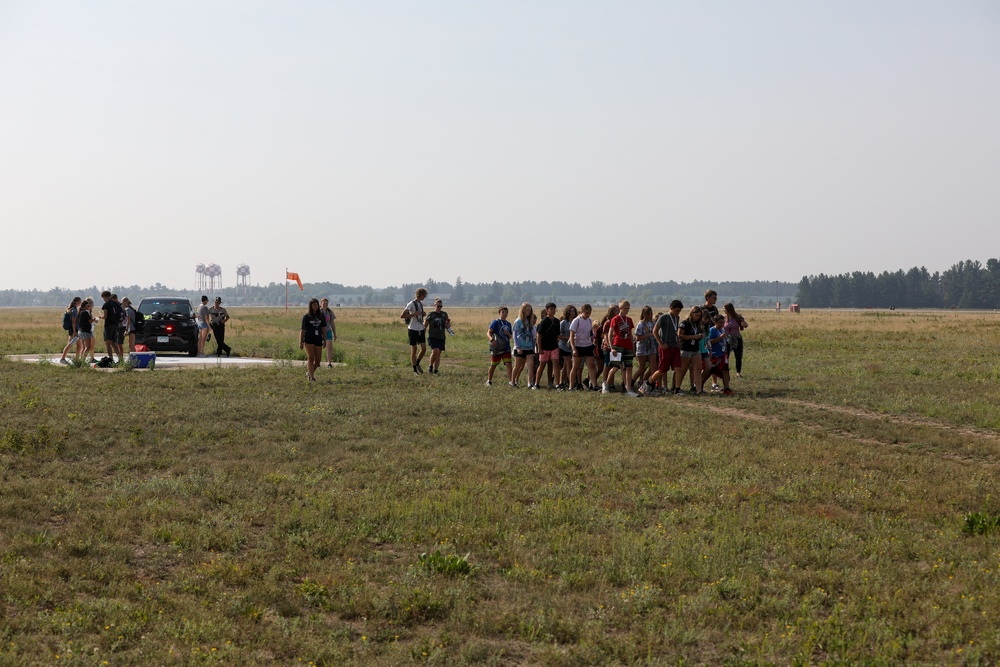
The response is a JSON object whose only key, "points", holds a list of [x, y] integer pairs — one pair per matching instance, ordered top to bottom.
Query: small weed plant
{"points": [[452, 565]]}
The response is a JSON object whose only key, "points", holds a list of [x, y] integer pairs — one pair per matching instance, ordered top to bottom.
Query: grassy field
{"points": [[822, 515]]}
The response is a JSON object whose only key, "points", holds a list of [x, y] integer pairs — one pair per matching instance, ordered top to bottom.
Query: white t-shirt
{"points": [[415, 323], [583, 327]]}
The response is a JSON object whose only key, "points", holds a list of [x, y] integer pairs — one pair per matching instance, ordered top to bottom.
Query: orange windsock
{"points": [[294, 276]]}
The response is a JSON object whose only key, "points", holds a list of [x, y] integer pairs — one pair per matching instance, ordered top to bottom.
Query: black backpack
{"points": [[68, 321]]}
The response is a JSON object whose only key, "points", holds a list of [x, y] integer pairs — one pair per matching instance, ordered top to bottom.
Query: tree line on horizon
{"points": [[967, 284], [746, 294]]}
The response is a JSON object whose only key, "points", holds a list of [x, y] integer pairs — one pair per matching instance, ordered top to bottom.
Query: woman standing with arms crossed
{"points": [[312, 336]]}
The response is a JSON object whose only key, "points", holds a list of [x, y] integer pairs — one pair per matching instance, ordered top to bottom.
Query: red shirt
{"points": [[621, 332]]}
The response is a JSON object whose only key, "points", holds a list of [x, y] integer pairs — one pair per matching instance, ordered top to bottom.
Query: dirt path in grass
{"points": [[896, 419], [983, 456]]}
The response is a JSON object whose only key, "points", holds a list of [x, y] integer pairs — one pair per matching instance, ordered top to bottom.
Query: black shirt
{"points": [[83, 322], [312, 326], [548, 331]]}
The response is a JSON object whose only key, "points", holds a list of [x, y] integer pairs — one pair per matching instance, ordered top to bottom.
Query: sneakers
{"points": [[64, 362], [329, 365], [415, 369], [419, 369], [739, 375], [489, 383], [512, 385], [533, 386], [716, 387], [604, 388], [645, 389], [728, 392], [631, 393]]}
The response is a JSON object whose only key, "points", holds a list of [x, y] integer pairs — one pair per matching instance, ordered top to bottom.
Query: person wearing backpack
{"points": [[414, 316], [112, 317], [128, 323], [438, 323], [69, 326]]}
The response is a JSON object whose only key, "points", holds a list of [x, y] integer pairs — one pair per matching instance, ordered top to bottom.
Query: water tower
{"points": [[214, 274], [199, 277], [243, 279]]}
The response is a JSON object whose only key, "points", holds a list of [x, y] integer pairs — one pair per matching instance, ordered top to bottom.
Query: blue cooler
{"points": [[142, 359]]}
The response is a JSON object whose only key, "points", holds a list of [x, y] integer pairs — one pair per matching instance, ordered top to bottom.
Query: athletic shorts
{"points": [[202, 325], [111, 333], [85, 335], [329, 335], [120, 337], [417, 337], [436, 343], [586, 351], [524, 354], [563, 354], [690, 355], [503, 356], [546, 356], [628, 356], [668, 357], [719, 364]]}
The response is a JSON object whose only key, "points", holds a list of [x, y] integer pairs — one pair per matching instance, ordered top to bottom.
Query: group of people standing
{"points": [[79, 322], [645, 353]]}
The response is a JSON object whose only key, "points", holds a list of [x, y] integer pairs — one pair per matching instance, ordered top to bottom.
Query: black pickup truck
{"points": [[167, 324]]}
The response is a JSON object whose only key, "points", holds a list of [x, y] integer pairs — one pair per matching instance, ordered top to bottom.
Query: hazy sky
{"points": [[388, 142]]}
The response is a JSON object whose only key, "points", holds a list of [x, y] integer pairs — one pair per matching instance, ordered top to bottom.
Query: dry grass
{"points": [[243, 516]]}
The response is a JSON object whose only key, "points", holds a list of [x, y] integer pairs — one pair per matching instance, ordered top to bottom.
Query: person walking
{"points": [[218, 316], [414, 316], [438, 323], [70, 326], [331, 329], [499, 334], [312, 336], [669, 352]]}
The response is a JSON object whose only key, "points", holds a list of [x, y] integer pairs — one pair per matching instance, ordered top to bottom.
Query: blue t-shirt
{"points": [[502, 333], [524, 335], [719, 347]]}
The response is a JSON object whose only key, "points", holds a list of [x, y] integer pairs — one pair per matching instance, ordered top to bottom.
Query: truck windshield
{"points": [[166, 307]]}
